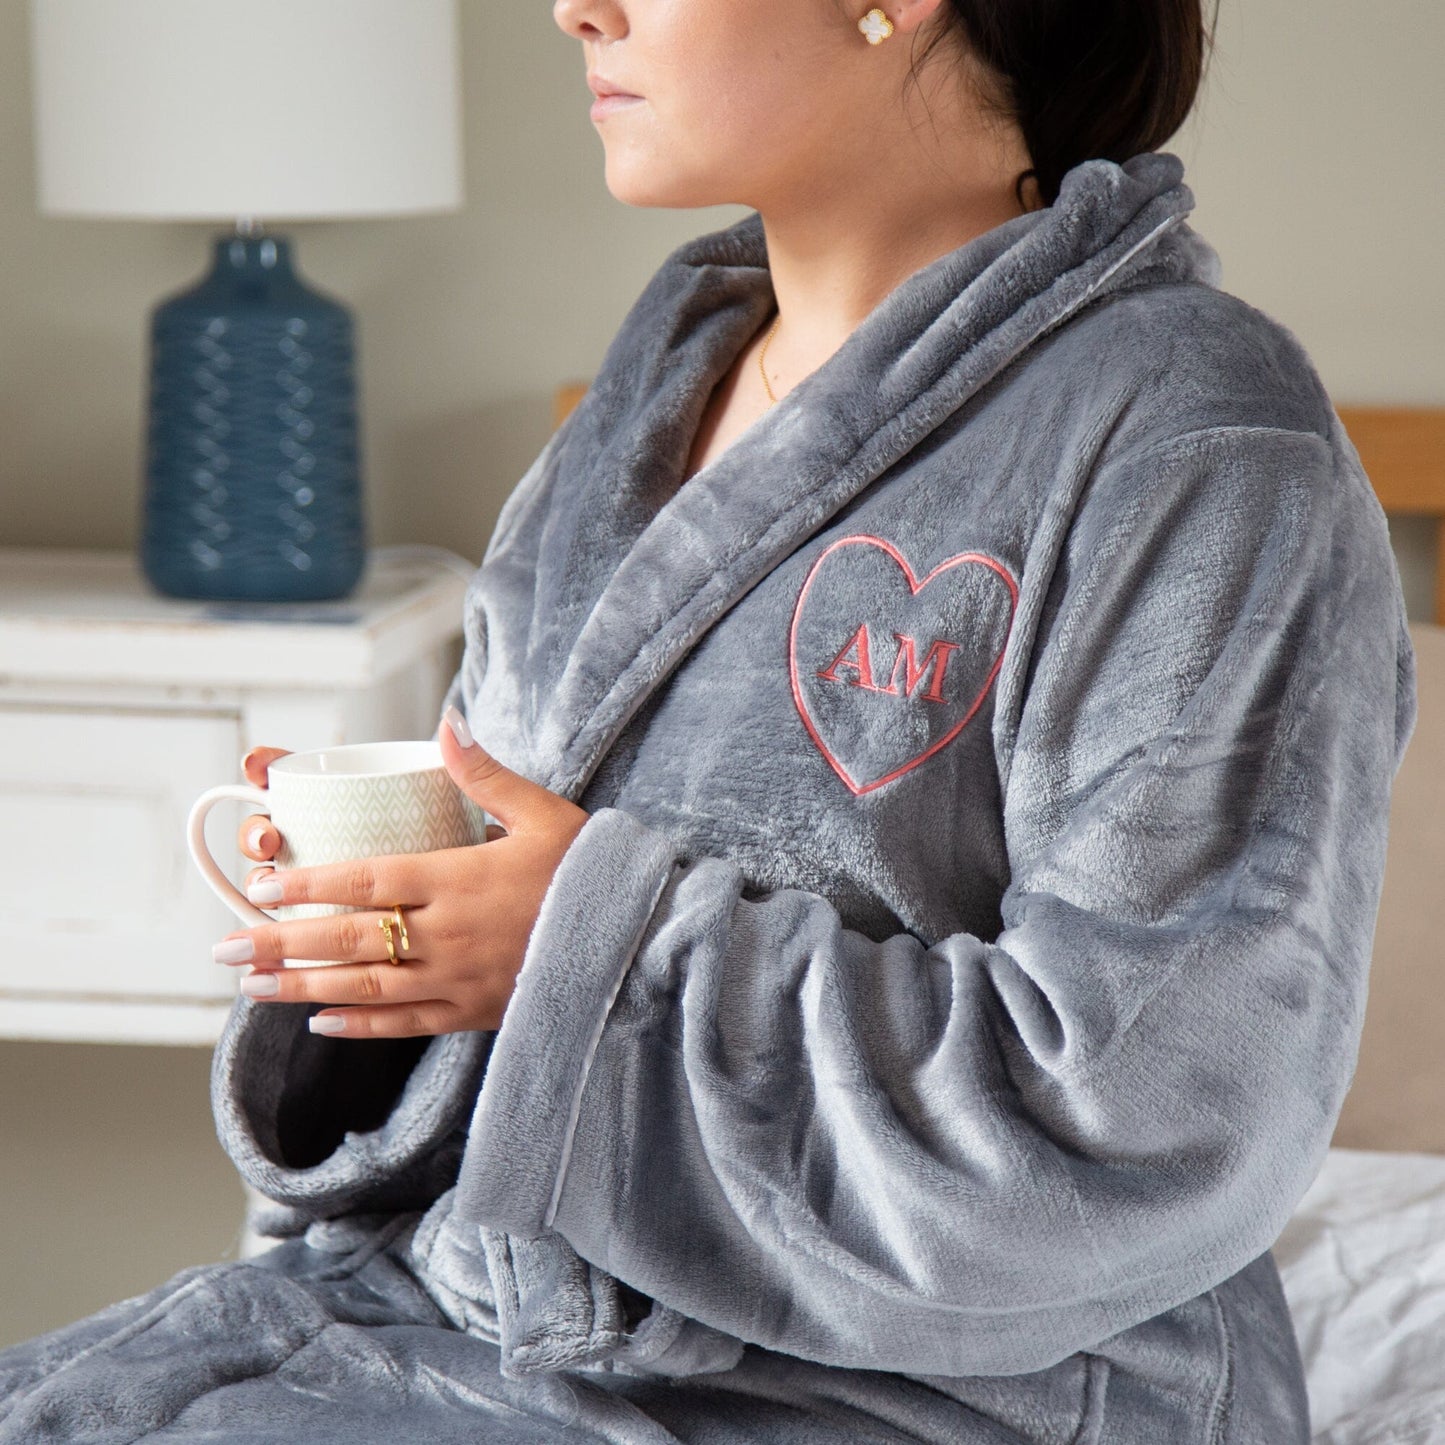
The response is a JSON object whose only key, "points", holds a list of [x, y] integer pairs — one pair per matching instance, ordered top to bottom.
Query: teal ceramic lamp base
{"points": [[253, 491]]}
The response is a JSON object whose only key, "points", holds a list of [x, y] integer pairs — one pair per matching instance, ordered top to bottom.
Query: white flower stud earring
{"points": [[876, 26]]}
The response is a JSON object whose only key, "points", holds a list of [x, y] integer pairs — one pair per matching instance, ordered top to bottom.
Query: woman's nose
{"points": [[590, 19]]}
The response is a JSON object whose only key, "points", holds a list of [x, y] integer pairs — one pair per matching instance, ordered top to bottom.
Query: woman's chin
{"points": [[636, 181]]}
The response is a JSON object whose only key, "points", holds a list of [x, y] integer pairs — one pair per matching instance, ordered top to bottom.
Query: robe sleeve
{"points": [[322, 1127], [979, 1156]]}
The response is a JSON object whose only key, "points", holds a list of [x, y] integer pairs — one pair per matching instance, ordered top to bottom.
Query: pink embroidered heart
{"points": [[886, 669]]}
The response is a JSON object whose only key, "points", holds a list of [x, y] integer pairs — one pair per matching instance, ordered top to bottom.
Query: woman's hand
{"points": [[258, 839], [469, 911]]}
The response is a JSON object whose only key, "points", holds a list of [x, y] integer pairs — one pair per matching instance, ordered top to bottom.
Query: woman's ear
{"points": [[911, 15], [1026, 188]]}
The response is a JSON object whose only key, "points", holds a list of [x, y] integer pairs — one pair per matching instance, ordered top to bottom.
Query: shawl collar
{"points": [[645, 566]]}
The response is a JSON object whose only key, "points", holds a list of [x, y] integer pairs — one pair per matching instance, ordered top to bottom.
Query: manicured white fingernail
{"points": [[458, 724], [255, 837], [264, 890], [234, 950], [260, 985], [326, 1024]]}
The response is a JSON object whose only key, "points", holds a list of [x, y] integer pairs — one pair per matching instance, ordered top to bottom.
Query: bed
{"points": [[1363, 1258]]}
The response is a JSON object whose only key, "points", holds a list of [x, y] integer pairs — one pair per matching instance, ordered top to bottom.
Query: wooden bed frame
{"points": [[1403, 451]]}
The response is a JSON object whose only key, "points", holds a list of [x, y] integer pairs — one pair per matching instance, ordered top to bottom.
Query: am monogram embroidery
{"points": [[856, 658], [886, 675]]}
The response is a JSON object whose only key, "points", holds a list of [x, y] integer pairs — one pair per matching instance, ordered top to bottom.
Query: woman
{"points": [[941, 690]]}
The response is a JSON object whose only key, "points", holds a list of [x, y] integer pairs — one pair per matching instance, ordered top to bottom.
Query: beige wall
{"points": [[1315, 155], [1316, 159]]}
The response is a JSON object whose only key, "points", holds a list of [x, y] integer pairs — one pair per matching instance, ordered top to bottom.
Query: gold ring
{"points": [[385, 924], [401, 928]]}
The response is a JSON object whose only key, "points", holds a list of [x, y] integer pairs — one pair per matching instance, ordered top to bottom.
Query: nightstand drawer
{"points": [[118, 707], [97, 891]]}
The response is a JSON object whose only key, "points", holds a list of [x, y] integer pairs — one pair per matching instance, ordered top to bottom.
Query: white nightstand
{"points": [[118, 707]]}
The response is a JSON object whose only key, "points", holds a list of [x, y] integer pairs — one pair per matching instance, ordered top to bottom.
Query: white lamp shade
{"points": [[194, 110]]}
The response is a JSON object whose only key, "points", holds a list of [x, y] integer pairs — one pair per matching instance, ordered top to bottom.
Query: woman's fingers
{"points": [[255, 763], [258, 838], [255, 876], [379, 882], [342, 938], [350, 983], [392, 1021]]}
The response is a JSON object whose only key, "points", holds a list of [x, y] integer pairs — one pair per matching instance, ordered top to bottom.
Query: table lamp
{"points": [[210, 110]]}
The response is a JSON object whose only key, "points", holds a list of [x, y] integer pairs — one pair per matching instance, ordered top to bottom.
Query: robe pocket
{"points": [[447, 1260], [557, 1311]]}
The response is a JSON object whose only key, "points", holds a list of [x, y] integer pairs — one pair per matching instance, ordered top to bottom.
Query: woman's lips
{"points": [[606, 104]]}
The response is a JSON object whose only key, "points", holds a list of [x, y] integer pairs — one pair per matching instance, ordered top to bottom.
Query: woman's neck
{"points": [[839, 244], [826, 285]]}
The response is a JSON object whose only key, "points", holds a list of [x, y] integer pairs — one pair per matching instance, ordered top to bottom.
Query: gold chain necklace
{"points": [[763, 353]]}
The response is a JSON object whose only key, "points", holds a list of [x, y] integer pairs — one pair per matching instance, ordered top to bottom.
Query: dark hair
{"points": [[1086, 79]]}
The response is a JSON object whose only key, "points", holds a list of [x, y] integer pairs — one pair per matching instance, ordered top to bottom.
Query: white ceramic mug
{"points": [[361, 800]]}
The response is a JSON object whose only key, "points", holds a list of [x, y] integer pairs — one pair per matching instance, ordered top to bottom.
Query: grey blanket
{"points": [[956, 985]]}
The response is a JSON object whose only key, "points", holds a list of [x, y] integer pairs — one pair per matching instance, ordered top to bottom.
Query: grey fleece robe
{"points": [[956, 984]]}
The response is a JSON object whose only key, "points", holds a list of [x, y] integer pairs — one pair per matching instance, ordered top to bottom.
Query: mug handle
{"points": [[222, 886]]}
